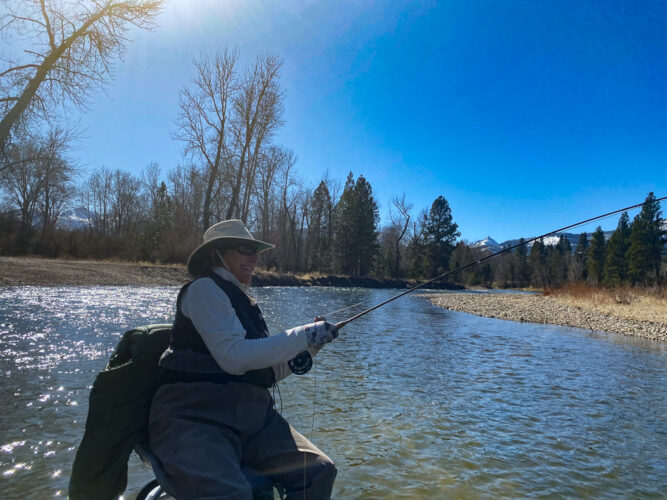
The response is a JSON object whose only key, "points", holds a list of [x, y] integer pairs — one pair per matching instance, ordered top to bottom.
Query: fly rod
{"points": [[479, 261]]}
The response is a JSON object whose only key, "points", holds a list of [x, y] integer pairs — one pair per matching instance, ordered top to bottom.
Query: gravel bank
{"points": [[22, 271], [30, 271], [541, 309]]}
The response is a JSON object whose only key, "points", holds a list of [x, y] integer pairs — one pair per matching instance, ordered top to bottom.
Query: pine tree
{"points": [[357, 217], [366, 222], [344, 231], [440, 233], [657, 235], [647, 239], [318, 244], [596, 256], [460, 257], [559, 260], [538, 265], [615, 268], [504, 270], [578, 271], [523, 272], [486, 274]]}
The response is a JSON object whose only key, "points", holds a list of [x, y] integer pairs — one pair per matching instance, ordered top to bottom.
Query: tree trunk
{"points": [[29, 92]]}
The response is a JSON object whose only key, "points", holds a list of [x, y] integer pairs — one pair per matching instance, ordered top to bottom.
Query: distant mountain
{"points": [[76, 218], [487, 243], [492, 246]]}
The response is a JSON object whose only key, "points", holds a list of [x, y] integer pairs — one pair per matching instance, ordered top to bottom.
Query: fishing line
{"points": [[504, 250], [341, 310], [320, 317], [312, 421], [312, 426]]}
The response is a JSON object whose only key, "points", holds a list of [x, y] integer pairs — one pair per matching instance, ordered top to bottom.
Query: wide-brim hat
{"points": [[218, 235]]}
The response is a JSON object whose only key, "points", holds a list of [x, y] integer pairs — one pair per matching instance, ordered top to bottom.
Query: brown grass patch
{"points": [[624, 302]]}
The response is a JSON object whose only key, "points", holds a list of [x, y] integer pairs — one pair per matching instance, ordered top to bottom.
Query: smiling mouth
{"points": [[246, 269]]}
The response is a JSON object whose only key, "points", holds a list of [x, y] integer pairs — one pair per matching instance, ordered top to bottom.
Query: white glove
{"points": [[319, 333]]}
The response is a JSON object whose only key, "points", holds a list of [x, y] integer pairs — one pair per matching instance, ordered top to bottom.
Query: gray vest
{"points": [[188, 359]]}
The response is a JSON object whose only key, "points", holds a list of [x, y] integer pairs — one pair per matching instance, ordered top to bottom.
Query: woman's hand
{"points": [[320, 333]]}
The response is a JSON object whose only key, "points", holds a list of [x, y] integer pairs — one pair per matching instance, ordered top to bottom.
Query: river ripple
{"points": [[412, 401]]}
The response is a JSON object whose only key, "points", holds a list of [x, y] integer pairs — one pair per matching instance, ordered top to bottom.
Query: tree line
{"points": [[231, 167], [328, 229], [633, 255]]}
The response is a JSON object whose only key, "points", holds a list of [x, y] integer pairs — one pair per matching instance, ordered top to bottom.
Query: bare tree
{"points": [[71, 45], [258, 111], [204, 113], [225, 121], [268, 121], [272, 162], [150, 179], [38, 180], [23, 181], [57, 189], [187, 192], [291, 192], [57, 197], [96, 198], [125, 201], [401, 221], [299, 231], [417, 246], [384, 263]]}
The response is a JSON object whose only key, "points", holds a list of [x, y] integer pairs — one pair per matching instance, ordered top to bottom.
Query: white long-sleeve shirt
{"points": [[212, 314]]}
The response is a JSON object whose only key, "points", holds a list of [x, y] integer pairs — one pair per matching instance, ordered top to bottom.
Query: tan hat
{"points": [[227, 231]]}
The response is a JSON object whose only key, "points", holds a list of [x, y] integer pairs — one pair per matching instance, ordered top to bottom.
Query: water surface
{"points": [[412, 401]]}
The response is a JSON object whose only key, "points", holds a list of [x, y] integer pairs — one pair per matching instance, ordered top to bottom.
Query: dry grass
{"points": [[111, 260], [312, 275], [623, 302]]}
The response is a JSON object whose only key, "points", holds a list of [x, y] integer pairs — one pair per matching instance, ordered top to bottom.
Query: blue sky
{"points": [[525, 115]]}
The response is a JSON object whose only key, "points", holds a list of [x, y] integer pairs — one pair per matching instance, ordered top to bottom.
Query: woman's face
{"points": [[241, 262]]}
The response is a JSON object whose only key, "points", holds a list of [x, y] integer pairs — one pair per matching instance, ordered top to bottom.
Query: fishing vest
{"points": [[185, 339]]}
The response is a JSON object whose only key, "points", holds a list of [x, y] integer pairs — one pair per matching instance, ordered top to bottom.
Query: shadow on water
{"points": [[412, 401]]}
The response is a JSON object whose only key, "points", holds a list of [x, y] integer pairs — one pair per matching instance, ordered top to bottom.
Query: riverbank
{"points": [[30, 271], [537, 308], [627, 319]]}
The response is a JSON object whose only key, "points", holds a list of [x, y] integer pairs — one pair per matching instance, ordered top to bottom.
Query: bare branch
{"points": [[26, 19], [47, 26], [82, 41], [18, 68]]}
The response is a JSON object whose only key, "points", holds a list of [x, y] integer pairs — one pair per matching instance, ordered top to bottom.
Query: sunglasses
{"points": [[245, 250]]}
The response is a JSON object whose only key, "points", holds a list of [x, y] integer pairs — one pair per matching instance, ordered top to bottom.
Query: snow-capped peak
{"points": [[486, 242]]}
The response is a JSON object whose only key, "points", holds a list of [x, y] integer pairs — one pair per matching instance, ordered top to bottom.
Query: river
{"points": [[412, 401]]}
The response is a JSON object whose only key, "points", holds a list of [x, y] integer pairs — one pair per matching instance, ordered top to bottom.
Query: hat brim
{"points": [[198, 258]]}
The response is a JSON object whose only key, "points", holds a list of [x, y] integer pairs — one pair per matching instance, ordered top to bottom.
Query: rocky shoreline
{"points": [[535, 308]]}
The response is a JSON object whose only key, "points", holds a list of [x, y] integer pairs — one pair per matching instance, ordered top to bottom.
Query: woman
{"points": [[214, 412]]}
